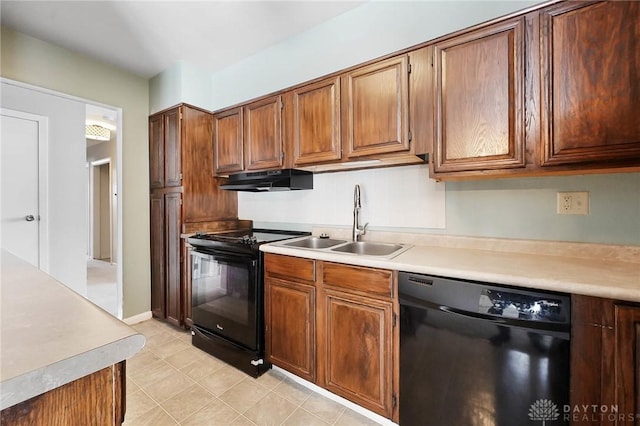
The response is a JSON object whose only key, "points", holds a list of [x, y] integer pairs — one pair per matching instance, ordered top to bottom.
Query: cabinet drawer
{"points": [[290, 267], [367, 280]]}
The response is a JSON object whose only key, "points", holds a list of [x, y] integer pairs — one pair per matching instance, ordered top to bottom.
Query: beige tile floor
{"points": [[170, 382]]}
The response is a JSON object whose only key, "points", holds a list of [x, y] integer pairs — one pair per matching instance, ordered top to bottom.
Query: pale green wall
{"points": [[35, 62], [182, 82], [526, 208]]}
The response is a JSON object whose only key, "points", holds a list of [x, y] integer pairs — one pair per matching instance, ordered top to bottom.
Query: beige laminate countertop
{"points": [[578, 272], [50, 335]]}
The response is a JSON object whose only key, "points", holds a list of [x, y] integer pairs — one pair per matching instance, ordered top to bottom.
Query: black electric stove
{"points": [[227, 301]]}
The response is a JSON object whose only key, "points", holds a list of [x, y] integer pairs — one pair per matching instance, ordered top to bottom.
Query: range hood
{"points": [[271, 180]]}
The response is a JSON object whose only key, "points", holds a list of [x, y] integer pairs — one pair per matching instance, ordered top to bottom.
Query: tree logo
{"points": [[543, 410]]}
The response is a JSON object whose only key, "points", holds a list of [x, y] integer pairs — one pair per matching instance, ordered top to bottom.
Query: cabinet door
{"points": [[591, 82], [376, 98], [479, 102], [316, 122], [263, 134], [228, 141], [156, 151], [172, 151], [173, 222], [157, 255], [290, 327], [359, 348], [627, 371]]}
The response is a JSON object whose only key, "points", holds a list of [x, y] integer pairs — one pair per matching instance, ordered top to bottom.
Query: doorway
{"points": [[102, 207], [101, 211]]}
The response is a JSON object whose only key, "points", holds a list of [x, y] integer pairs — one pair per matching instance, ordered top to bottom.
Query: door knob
{"points": [[30, 218]]}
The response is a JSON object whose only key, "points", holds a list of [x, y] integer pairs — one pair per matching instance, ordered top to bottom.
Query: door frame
{"points": [[92, 170], [43, 188]]}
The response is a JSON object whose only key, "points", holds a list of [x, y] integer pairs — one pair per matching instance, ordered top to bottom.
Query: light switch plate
{"points": [[573, 203]]}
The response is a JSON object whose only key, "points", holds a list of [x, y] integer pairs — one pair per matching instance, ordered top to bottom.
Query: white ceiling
{"points": [[147, 37]]}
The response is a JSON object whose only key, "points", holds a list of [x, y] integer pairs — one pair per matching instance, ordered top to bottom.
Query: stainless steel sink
{"points": [[314, 243], [356, 248], [371, 249]]}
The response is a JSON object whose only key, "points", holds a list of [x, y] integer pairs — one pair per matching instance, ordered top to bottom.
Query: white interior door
{"points": [[19, 158]]}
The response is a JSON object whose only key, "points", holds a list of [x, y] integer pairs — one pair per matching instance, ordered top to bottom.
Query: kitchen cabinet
{"points": [[590, 83], [553, 91], [479, 99], [375, 108], [358, 114], [315, 122], [263, 134], [249, 137], [228, 141], [164, 150], [184, 195], [166, 294], [290, 312], [335, 325], [356, 342], [627, 360], [605, 362]]}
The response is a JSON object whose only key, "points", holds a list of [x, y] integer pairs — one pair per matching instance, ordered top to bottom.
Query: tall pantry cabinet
{"points": [[184, 197]]}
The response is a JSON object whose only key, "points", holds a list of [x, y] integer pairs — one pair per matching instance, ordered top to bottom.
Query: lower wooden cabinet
{"points": [[166, 219], [334, 325], [291, 327], [358, 350], [627, 360], [605, 361]]}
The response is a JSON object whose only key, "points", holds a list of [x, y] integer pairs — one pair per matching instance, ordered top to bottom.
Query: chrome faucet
{"points": [[357, 230]]}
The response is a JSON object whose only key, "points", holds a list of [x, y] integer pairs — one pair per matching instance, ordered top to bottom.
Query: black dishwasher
{"points": [[474, 354]]}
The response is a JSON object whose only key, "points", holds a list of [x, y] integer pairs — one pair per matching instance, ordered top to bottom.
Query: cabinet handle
{"points": [[29, 218]]}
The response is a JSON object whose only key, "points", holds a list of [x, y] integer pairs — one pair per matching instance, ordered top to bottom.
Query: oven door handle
{"points": [[227, 258]]}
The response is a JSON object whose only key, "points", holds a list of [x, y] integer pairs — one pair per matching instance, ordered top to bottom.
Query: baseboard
{"points": [[137, 318], [332, 396]]}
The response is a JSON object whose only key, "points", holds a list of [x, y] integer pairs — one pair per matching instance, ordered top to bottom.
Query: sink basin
{"points": [[314, 243], [370, 249]]}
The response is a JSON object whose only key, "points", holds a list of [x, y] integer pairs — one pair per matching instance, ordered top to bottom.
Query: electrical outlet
{"points": [[573, 203]]}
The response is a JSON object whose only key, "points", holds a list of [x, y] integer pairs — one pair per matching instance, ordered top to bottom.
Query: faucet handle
{"points": [[364, 228]]}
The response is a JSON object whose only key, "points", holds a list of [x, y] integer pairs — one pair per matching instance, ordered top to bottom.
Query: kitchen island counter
{"points": [[578, 268], [52, 336]]}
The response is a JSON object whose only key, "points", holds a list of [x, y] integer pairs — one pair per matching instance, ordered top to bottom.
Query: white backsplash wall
{"points": [[398, 197]]}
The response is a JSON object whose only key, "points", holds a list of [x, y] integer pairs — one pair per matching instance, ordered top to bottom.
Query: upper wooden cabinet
{"points": [[590, 78], [479, 99], [375, 108], [315, 122], [263, 134], [249, 137], [228, 142], [181, 159], [165, 167]]}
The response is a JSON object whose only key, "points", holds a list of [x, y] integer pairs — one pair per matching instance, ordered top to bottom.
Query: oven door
{"points": [[224, 289]]}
